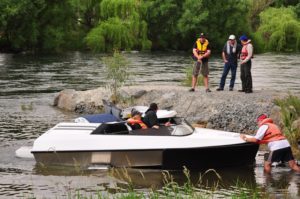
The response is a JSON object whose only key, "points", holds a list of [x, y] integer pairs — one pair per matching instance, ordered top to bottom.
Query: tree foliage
{"points": [[104, 25], [121, 27], [280, 29]]}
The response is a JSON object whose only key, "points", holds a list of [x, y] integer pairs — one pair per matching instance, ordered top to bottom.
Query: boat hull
{"points": [[173, 159]]}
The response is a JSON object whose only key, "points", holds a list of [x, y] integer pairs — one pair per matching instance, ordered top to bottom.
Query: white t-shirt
{"points": [[274, 145]]}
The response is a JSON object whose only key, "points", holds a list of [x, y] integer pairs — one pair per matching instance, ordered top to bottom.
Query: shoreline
{"points": [[223, 110]]}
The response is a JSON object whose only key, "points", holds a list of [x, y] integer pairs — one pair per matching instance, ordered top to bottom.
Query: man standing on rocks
{"points": [[201, 53], [230, 54], [246, 56], [279, 146]]}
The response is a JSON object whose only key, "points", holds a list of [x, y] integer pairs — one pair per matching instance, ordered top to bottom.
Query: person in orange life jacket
{"points": [[201, 53], [230, 54], [246, 56], [136, 120], [280, 149]]}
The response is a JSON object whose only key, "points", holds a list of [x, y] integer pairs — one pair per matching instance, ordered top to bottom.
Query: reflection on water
{"points": [[28, 85]]}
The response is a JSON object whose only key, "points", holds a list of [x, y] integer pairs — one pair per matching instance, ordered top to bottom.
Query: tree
{"points": [[164, 13], [218, 19], [121, 27], [280, 29], [117, 73]]}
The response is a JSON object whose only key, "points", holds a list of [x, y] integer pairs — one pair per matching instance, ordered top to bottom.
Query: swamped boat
{"points": [[116, 144]]}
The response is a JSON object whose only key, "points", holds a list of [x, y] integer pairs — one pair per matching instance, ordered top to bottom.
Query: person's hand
{"points": [[225, 60], [168, 124], [155, 127], [243, 137]]}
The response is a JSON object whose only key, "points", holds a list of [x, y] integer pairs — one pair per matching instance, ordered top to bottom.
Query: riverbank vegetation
{"points": [[104, 25], [290, 114], [201, 189]]}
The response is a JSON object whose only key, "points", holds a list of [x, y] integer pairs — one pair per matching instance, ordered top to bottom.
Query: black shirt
{"points": [[232, 57], [150, 119]]}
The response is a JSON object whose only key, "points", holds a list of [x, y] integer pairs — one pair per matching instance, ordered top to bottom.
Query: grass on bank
{"points": [[290, 112]]}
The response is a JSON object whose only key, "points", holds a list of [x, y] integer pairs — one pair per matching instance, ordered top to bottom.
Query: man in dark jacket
{"points": [[151, 119]]}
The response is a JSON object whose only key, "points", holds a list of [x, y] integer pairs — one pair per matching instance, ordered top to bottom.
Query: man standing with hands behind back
{"points": [[201, 53]]}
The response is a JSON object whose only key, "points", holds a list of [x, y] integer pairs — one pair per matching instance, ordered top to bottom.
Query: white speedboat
{"points": [[116, 144]]}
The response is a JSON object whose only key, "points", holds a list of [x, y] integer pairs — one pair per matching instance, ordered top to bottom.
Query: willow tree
{"points": [[121, 27], [280, 29]]}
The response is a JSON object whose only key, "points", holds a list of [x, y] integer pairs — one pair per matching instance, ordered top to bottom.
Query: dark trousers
{"points": [[232, 67], [246, 76]]}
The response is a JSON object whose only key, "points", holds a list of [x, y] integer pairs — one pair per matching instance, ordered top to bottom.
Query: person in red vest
{"points": [[201, 53], [246, 56], [136, 120], [280, 149]]}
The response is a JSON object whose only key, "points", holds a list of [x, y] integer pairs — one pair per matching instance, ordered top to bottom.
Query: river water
{"points": [[28, 85]]}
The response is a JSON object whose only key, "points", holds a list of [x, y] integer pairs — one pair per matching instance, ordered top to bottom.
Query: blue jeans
{"points": [[232, 67]]}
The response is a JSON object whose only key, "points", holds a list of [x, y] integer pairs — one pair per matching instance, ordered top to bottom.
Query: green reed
{"points": [[290, 111]]}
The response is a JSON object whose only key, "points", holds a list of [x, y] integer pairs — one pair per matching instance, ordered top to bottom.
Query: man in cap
{"points": [[201, 53], [230, 54], [246, 56], [280, 149]]}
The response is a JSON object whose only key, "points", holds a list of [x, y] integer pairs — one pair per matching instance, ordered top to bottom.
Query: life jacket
{"points": [[202, 48], [244, 52], [132, 122], [273, 133]]}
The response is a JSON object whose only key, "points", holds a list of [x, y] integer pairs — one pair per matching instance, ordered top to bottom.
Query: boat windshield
{"points": [[182, 127]]}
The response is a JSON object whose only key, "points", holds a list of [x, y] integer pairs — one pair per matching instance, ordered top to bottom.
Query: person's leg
{"points": [[204, 71], [195, 74], [224, 75], [233, 75], [243, 76], [248, 77], [205, 80], [194, 81], [293, 165], [267, 166]]}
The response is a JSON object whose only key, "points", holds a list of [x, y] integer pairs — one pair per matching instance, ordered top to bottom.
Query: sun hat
{"points": [[231, 37]]}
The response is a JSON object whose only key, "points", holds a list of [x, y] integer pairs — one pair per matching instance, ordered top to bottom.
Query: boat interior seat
{"points": [[112, 128], [162, 131]]}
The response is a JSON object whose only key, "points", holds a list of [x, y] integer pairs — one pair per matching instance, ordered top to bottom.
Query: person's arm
{"points": [[195, 53], [207, 54], [224, 57], [259, 135], [248, 138]]}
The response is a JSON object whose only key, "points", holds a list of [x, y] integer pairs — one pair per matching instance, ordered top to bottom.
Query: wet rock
{"points": [[139, 94]]}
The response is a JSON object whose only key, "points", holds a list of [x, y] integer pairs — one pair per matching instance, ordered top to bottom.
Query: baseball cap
{"points": [[202, 35], [231, 37], [243, 38], [135, 112], [261, 117]]}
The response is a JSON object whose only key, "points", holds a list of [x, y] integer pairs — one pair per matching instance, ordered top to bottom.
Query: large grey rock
{"points": [[230, 111]]}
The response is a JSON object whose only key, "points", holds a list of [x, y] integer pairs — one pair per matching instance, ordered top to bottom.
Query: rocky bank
{"points": [[224, 110]]}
